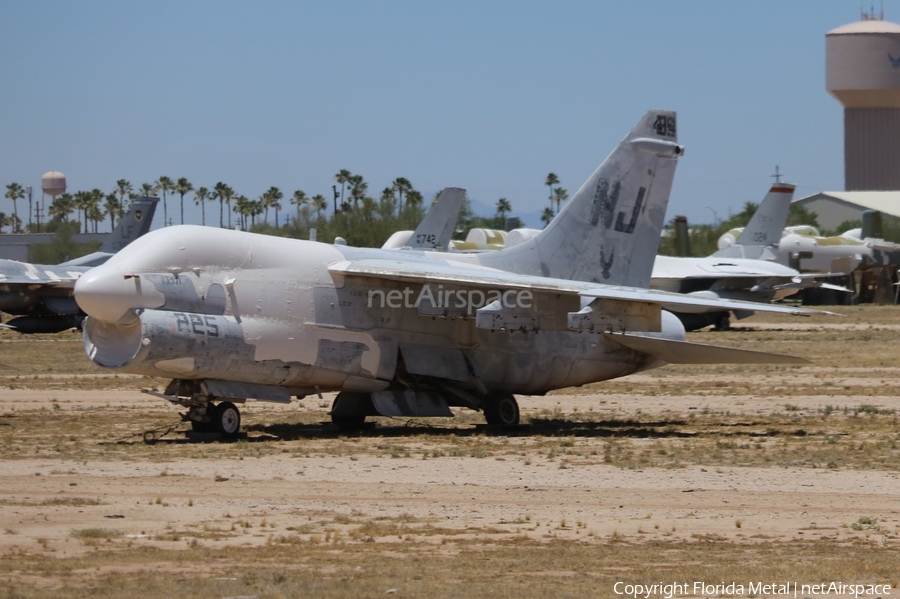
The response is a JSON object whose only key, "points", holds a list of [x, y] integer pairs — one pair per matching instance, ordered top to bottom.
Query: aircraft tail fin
{"points": [[769, 220], [132, 225], [436, 229], [609, 231]]}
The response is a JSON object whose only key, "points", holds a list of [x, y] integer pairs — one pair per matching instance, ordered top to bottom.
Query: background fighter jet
{"points": [[436, 229], [744, 271], [41, 295], [230, 315]]}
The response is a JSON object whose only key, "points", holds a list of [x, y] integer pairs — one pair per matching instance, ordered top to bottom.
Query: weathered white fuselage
{"points": [[205, 303]]}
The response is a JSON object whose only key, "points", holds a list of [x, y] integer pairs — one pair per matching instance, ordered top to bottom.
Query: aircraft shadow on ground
{"points": [[537, 427], [540, 427]]}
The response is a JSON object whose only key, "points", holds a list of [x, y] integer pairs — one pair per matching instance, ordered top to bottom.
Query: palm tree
{"points": [[342, 177], [550, 181], [165, 185], [401, 185], [183, 186], [124, 188], [358, 189], [14, 192], [219, 194], [229, 195], [560, 195], [212, 196], [216, 196], [200, 198], [414, 198], [271, 199], [299, 199], [83, 201], [264, 201], [319, 203], [61, 207], [246, 207], [503, 207], [256, 208], [113, 209], [94, 215], [547, 216], [3, 221], [15, 223]]}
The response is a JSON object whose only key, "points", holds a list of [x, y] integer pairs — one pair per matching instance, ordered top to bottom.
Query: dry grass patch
{"points": [[521, 567]]}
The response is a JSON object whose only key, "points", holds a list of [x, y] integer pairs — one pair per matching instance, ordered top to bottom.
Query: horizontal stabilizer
{"points": [[684, 352]]}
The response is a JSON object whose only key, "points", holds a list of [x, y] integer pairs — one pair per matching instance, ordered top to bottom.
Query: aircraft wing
{"points": [[449, 273], [22, 275], [40, 296]]}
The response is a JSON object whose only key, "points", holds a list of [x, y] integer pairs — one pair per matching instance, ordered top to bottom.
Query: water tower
{"points": [[863, 74], [52, 184]]}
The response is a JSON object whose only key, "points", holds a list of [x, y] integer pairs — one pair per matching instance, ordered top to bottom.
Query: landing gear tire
{"points": [[722, 322], [350, 409], [501, 409], [226, 419], [348, 421], [201, 427]]}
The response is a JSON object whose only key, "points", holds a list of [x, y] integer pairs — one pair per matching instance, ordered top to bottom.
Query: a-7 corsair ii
{"points": [[230, 315]]}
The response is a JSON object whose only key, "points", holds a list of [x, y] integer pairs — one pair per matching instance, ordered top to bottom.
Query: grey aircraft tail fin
{"points": [[770, 218], [132, 225], [436, 229], [609, 231]]}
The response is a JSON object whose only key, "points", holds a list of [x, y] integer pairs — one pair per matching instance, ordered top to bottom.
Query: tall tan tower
{"points": [[863, 74]]}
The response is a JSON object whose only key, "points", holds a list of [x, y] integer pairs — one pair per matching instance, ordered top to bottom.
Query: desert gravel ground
{"points": [[790, 460]]}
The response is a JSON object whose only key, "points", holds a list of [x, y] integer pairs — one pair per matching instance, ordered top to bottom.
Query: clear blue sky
{"points": [[487, 95]]}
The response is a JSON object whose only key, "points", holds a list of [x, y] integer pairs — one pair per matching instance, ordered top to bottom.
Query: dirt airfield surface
{"points": [[712, 474]]}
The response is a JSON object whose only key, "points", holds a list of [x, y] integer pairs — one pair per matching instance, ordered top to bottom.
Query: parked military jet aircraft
{"points": [[436, 229], [744, 270], [41, 295], [229, 315]]}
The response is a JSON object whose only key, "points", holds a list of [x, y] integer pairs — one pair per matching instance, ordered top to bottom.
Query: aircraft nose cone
{"points": [[110, 295]]}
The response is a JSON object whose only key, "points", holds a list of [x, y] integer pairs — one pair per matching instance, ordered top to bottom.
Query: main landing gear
{"points": [[722, 322], [350, 409], [501, 409], [206, 412], [223, 418]]}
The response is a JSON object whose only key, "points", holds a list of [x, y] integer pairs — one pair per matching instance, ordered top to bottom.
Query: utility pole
{"points": [[28, 189], [38, 211]]}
